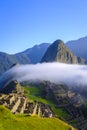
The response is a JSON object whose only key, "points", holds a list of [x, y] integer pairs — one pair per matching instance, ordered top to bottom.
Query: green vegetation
{"points": [[37, 93], [8, 121]]}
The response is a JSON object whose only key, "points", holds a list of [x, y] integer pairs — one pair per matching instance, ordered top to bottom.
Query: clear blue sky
{"points": [[24, 23]]}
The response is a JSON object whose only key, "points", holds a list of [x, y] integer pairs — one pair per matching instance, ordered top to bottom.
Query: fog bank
{"points": [[54, 72]]}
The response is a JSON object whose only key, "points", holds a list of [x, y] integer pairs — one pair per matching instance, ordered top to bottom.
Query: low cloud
{"points": [[54, 72]]}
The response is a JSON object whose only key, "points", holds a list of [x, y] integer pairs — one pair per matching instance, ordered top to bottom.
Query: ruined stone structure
{"points": [[21, 104]]}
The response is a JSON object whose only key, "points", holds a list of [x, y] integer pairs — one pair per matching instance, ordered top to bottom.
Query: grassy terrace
{"points": [[36, 93], [8, 121]]}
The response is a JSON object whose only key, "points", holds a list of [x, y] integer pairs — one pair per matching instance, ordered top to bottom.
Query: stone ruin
{"points": [[14, 99]]}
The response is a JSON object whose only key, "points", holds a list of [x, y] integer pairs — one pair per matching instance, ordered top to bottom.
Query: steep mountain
{"points": [[79, 47], [59, 52], [31, 55]]}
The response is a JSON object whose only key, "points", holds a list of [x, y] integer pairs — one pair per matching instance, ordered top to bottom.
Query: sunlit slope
{"points": [[9, 121]]}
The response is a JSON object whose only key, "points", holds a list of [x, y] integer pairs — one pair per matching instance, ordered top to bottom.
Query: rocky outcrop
{"points": [[59, 52]]}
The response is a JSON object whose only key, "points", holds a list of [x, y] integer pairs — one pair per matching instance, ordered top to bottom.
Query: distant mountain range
{"points": [[79, 47], [46, 52], [36, 53], [32, 55]]}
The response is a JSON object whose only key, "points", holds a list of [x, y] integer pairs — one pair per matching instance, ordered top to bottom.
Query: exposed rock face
{"points": [[59, 52]]}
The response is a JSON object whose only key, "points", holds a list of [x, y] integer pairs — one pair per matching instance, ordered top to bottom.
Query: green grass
{"points": [[36, 93], [8, 121]]}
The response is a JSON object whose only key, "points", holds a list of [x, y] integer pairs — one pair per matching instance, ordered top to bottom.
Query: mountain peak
{"points": [[58, 42], [58, 52]]}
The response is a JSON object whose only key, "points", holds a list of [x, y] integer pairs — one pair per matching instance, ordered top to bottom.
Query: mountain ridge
{"points": [[79, 46], [32, 55]]}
